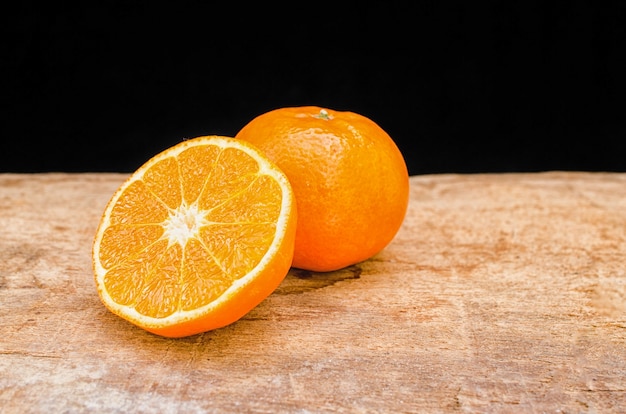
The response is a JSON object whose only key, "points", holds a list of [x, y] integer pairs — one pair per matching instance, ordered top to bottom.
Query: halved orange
{"points": [[195, 238]]}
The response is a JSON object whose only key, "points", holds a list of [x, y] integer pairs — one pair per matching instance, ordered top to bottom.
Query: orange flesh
{"points": [[181, 234]]}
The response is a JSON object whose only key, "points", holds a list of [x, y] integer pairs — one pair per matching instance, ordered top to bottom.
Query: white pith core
{"points": [[183, 224]]}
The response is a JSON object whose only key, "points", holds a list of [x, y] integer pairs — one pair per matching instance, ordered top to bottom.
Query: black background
{"points": [[461, 86]]}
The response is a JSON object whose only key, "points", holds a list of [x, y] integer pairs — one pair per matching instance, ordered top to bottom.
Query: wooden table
{"points": [[501, 293]]}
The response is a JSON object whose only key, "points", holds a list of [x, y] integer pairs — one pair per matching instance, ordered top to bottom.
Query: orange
{"points": [[349, 178], [195, 238]]}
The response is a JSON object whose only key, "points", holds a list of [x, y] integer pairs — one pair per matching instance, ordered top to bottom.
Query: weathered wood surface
{"points": [[501, 293]]}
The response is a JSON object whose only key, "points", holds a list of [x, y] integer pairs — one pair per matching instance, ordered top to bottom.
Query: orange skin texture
{"points": [[349, 178]]}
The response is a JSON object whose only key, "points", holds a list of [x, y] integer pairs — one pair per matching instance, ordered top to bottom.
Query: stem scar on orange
{"points": [[349, 178], [195, 238]]}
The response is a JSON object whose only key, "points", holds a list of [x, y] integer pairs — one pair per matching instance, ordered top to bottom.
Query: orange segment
{"points": [[195, 238]]}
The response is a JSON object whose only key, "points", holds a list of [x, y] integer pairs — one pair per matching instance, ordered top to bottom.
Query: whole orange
{"points": [[349, 179]]}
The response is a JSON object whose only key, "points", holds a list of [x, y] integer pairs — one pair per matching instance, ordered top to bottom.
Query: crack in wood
{"points": [[300, 281], [29, 354]]}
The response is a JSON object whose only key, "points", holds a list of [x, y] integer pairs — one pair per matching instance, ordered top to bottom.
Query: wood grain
{"points": [[501, 293]]}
